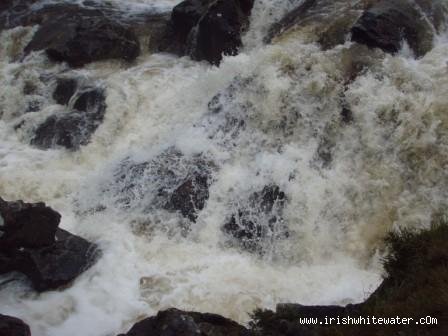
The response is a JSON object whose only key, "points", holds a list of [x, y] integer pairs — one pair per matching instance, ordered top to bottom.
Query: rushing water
{"points": [[386, 168]]}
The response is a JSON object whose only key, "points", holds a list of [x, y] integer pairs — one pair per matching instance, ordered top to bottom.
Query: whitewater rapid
{"points": [[387, 170]]}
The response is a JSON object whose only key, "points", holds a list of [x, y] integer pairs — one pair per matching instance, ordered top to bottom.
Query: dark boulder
{"points": [[186, 15], [388, 23], [209, 29], [219, 31], [80, 39], [65, 89], [73, 129], [190, 197], [260, 222], [27, 225], [31, 243], [59, 264], [180, 323], [12, 326]]}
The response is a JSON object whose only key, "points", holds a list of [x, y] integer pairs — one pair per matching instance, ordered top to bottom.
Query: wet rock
{"points": [[436, 11], [186, 15], [291, 19], [327, 22], [388, 23], [149, 25], [209, 29], [219, 31], [79, 40], [29, 88], [65, 89], [33, 106], [346, 115], [73, 129], [170, 181], [190, 197], [260, 222], [27, 225], [31, 243], [59, 264], [416, 273], [176, 322], [12, 326]]}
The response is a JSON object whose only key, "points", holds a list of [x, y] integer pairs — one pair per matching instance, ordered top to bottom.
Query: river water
{"points": [[386, 169]]}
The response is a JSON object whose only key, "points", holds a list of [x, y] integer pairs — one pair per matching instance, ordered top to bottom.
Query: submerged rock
{"points": [[388, 23], [209, 29], [79, 40], [65, 89], [74, 128], [170, 181], [190, 197], [259, 223], [31, 243], [176, 322], [12, 326]]}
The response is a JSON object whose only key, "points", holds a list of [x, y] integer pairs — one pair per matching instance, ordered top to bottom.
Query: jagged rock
{"points": [[388, 23], [209, 29], [78, 40], [65, 89], [73, 129], [261, 221], [27, 225], [31, 243], [59, 264], [180, 323], [12, 326]]}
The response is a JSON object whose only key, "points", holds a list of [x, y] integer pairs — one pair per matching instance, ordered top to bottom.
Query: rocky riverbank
{"points": [[414, 287]]}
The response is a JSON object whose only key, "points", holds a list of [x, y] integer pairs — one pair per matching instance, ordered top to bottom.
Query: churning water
{"points": [[269, 116]]}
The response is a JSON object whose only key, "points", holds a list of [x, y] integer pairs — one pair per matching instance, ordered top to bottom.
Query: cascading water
{"points": [[270, 116]]}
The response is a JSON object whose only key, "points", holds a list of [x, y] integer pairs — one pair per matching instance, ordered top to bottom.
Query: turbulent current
{"points": [[268, 116]]}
